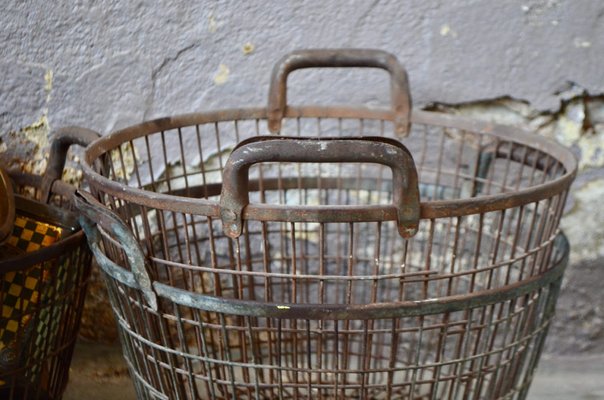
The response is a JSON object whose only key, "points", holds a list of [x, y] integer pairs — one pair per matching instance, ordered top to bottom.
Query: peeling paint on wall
{"points": [[212, 24], [446, 30], [248, 48], [222, 75], [578, 123], [27, 149], [584, 222]]}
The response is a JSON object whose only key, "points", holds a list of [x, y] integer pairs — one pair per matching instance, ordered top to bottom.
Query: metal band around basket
{"points": [[93, 214], [253, 308]]}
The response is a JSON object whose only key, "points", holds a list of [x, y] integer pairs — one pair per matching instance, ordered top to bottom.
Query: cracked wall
{"points": [[108, 64]]}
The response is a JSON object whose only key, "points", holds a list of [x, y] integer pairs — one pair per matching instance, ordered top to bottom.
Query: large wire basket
{"points": [[360, 253]]}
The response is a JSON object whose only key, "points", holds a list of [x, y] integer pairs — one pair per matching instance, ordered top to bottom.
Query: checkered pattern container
{"points": [[44, 269]]}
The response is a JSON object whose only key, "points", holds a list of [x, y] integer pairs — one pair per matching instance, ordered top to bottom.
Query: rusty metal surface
{"points": [[338, 58], [63, 139], [234, 196], [7, 206], [105, 219]]}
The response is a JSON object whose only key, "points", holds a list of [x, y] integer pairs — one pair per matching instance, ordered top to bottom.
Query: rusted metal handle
{"points": [[338, 58], [63, 139], [235, 197], [7, 206], [94, 213]]}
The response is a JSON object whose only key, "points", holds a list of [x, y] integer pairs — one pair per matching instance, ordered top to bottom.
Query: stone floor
{"points": [[98, 372]]}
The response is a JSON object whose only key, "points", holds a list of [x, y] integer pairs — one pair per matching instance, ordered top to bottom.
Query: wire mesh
{"points": [[334, 304], [483, 351]]}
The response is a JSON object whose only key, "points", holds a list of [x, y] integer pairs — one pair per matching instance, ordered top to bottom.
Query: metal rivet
{"points": [[229, 215]]}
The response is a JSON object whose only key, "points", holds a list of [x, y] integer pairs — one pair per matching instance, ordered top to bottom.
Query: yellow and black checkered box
{"points": [[21, 291]]}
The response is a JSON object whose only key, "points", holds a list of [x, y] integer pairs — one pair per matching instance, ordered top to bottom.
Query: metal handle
{"points": [[338, 58], [63, 139], [234, 196], [7, 206], [94, 213]]}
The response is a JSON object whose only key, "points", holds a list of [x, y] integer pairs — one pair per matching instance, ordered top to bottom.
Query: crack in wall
{"points": [[159, 69], [578, 123]]}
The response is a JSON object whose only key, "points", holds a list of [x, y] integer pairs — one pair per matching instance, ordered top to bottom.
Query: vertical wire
{"points": [[183, 161], [458, 162], [135, 163], [439, 163], [522, 163], [202, 165], [506, 171], [151, 172], [167, 172], [491, 172], [539, 237], [529, 240], [496, 242], [515, 242], [454, 256], [428, 261], [249, 262], [349, 288], [321, 300], [294, 322], [394, 333], [201, 345], [480, 346], [185, 347], [226, 351], [417, 354], [462, 354], [439, 355], [336, 357], [279, 358], [255, 361], [309, 366], [500, 366]]}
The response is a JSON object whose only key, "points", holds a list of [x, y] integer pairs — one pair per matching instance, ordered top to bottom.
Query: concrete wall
{"points": [[534, 63]]}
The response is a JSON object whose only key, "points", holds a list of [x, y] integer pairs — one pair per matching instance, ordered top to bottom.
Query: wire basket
{"points": [[359, 254], [44, 269]]}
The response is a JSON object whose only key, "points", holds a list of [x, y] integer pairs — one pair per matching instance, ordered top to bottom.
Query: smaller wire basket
{"points": [[44, 270]]}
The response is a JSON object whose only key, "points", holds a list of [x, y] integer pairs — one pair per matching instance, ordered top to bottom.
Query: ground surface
{"points": [[98, 373]]}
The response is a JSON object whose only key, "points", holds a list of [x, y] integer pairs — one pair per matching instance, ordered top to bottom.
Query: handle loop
{"points": [[340, 58], [63, 139], [389, 152], [7, 206], [94, 213]]}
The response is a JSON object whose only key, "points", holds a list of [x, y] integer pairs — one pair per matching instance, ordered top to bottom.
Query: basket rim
{"points": [[263, 212], [64, 219]]}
